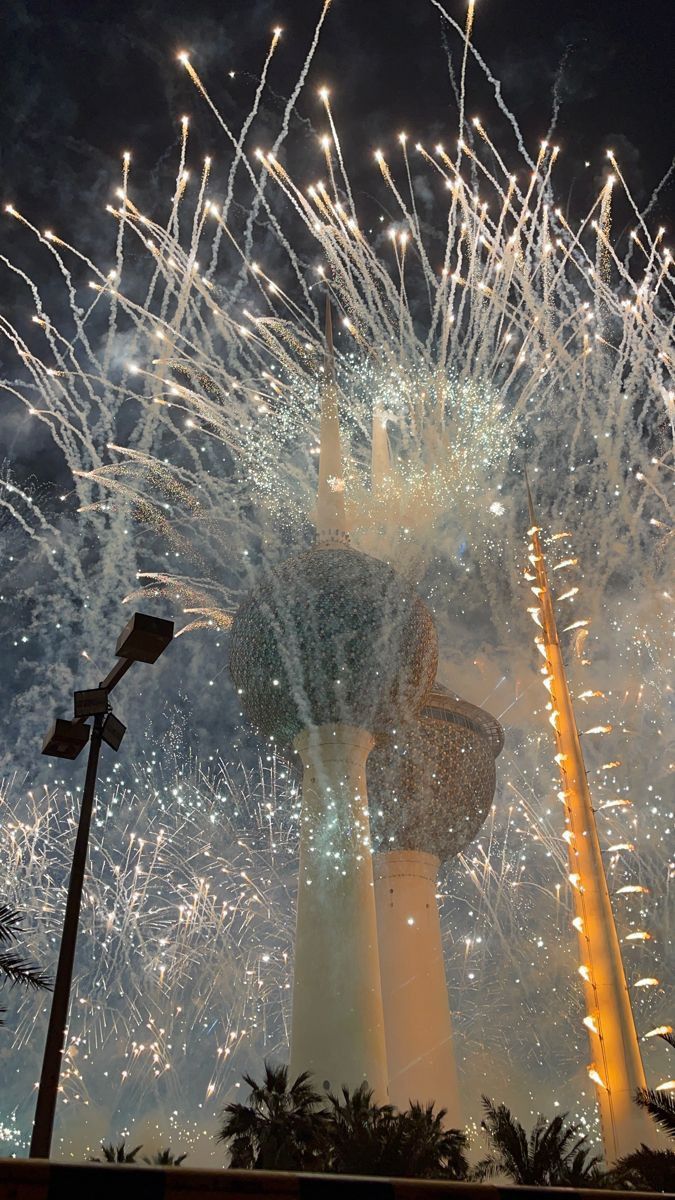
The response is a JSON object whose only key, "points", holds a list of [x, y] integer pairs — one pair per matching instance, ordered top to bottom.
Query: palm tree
{"points": [[14, 968], [660, 1105], [280, 1128], [285, 1128], [361, 1135], [364, 1138], [426, 1149], [117, 1154], [550, 1154], [165, 1158], [583, 1170], [646, 1170], [653, 1170]]}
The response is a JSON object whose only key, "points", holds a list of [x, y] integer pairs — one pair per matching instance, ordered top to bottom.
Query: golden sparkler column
{"points": [[616, 1064]]}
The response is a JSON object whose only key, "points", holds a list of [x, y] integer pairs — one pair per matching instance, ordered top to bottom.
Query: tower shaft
{"points": [[417, 1020], [337, 1028], [616, 1064]]}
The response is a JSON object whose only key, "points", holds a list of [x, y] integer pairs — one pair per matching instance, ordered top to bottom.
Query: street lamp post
{"points": [[142, 640]]}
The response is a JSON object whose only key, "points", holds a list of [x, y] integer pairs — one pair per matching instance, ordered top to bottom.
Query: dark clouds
{"points": [[81, 82]]}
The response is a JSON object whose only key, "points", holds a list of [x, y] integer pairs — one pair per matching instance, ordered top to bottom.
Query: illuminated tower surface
{"points": [[327, 652], [431, 785], [616, 1065]]}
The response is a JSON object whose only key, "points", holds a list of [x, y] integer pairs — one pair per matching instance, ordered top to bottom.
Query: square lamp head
{"points": [[144, 638], [91, 702], [113, 731], [66, 739]]}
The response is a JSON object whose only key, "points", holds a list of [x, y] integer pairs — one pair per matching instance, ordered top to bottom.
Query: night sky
{"points": [[83, 82]]}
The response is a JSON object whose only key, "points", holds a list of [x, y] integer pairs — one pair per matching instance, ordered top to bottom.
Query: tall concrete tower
{"points": [[327, 652], [433, 782], [615, 1063]]}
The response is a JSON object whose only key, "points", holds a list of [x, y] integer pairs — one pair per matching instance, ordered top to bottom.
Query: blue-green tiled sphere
{"points": [[332, 636]]}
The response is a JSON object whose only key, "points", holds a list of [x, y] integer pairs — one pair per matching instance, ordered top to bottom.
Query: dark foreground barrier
{"points": [[21, 1179]]}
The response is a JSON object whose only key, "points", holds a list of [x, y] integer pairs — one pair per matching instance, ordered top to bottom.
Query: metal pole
{"points": [[41, 1140]]}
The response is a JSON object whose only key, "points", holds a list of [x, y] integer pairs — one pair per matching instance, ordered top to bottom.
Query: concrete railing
{"points": [[23, 1179]]}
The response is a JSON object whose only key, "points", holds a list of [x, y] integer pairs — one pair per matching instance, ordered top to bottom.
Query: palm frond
{"points": [[10, 923], [17, 969], [660, 1106], [509, 1140], [117, 1153], [552, 1153], [128, 1156], [165, 1158], [487, 1168], [583, 1169], [647, 1169]]}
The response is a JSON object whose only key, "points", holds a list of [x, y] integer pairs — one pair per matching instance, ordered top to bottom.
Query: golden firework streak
{"points": [[616, 1065]]}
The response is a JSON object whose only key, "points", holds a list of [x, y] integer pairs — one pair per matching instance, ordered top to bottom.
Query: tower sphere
{"points": [[332, 636], [432, 781]]}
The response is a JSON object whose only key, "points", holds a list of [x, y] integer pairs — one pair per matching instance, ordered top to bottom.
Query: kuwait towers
{"points": [[328, 652], [334, 654]]}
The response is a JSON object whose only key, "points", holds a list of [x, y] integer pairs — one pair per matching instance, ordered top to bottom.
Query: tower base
{"points": [[418, 1028]]}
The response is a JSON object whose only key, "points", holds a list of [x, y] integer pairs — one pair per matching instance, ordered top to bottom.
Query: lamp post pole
{"points": [[143, 639], [51, 1063]]}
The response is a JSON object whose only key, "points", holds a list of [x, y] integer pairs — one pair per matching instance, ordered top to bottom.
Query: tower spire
{"points": [[380, 465], [331, 518], [615, 1065]]}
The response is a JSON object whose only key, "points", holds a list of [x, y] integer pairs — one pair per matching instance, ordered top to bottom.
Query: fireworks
{"points": [[479, 327], [182, 963]]}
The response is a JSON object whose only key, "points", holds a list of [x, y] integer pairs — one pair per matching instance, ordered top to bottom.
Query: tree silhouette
{"points": [[14, 968], [660, 1105], [293, 1127], [280, 1128], [361, 1135], [363, 1138], [432, 1151], [117, 1153], [549, 1156], [165, 1158], [647, 1168], [583, 1169]]}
